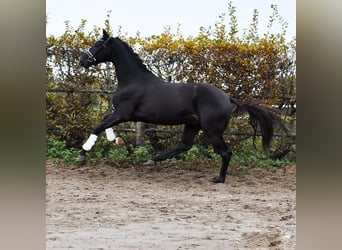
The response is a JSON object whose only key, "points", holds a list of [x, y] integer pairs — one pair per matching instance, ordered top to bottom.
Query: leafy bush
{"points": [[250, 67], [58, 151], [141, 154], [119, 155], [247, 157]]}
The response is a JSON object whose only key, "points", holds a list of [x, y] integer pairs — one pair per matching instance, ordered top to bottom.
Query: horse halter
{"points": [[91, 56]]}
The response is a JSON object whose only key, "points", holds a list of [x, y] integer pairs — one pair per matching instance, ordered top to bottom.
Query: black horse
{"points": [[142, 96]]}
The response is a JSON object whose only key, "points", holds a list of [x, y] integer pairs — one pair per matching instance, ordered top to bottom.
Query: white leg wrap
{"points": [[110, 134], [90, 142]]}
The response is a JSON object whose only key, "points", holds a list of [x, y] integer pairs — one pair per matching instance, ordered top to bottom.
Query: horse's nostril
{"points": [[84, 64]]}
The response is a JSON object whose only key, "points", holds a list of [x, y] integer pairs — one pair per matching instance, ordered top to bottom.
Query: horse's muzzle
{"points": [[85, 64]]}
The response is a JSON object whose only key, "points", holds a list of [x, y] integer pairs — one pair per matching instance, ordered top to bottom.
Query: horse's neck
{"points": [[127, 67], [125, 73]]}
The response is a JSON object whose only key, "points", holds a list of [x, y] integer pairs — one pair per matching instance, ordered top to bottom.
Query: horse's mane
{"points": [[134, 55]]}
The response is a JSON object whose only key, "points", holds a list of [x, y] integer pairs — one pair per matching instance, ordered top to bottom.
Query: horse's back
{"points": [[200, 97]]}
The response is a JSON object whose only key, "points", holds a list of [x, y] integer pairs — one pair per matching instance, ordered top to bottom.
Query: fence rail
{"points": [[96, 91], [237, 133]]}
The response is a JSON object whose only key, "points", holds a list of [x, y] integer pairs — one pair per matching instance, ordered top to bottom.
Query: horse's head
{"points": [[96, 54]]}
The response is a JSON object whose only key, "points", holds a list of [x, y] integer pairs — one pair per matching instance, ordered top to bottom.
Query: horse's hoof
{"points": [[119, 141], [81, 158], [150, 162], [217, 180]]}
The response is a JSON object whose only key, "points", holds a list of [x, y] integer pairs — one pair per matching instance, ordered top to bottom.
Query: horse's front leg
{"points": [[106, 125]]}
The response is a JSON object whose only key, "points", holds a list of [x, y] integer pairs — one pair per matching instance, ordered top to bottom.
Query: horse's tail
{"points": [[265, 117]]}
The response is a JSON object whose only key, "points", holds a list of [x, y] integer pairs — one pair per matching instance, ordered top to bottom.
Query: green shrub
{"points": [[250, 67], [57, 151], [141, 154], [119, 155], [246, 157]]}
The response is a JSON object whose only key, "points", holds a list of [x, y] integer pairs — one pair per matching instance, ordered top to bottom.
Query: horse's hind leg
{"points": [[187, 141], [225, 152]]}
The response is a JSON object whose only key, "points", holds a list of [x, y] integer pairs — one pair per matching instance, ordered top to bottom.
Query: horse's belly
{"points": [[167, 117]]}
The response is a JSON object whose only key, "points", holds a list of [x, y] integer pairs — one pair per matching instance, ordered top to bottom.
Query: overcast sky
{"points": [[149, 17]]}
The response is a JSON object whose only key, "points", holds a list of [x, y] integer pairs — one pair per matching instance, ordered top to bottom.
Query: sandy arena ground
{"points": [[169, 207]]}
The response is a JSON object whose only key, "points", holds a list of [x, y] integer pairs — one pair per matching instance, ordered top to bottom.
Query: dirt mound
{"points": [[169, 207]]}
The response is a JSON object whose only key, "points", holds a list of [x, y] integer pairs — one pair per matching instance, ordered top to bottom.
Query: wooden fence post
{"points": [[139, 139]]}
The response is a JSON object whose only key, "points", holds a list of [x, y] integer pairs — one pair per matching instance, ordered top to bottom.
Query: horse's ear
{"points": [[105, 34]]}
